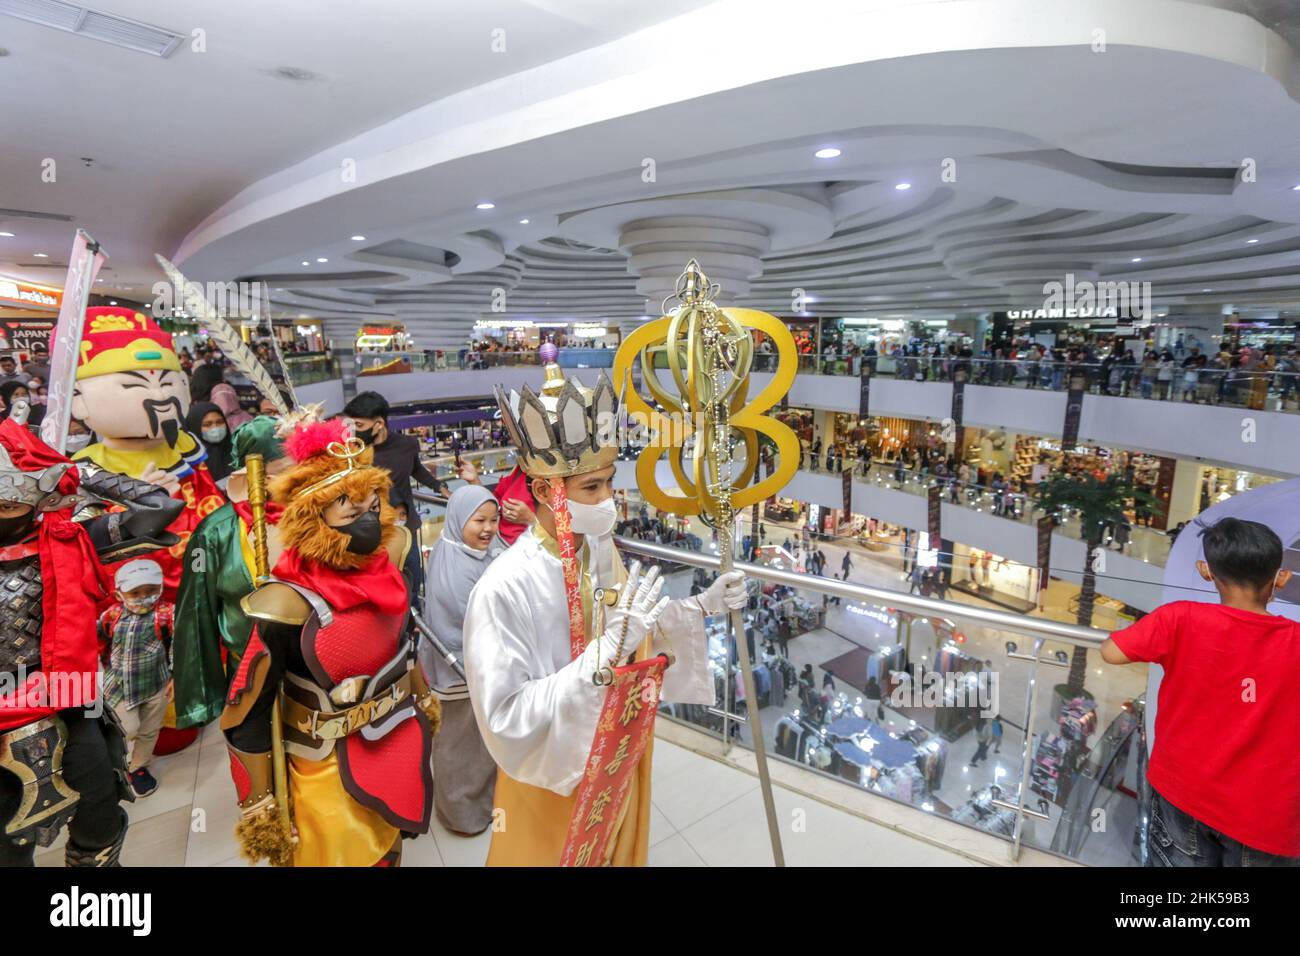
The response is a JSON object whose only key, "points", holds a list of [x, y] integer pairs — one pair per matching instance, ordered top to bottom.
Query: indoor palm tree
{"points": [[1100, 504]]}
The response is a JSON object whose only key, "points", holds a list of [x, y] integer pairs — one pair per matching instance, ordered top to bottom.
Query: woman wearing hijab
{"points": [[224, 397], [207, 422], [464, 773]]}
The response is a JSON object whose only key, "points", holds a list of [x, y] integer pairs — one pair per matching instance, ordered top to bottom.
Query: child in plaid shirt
{"points": [[136, 636]]}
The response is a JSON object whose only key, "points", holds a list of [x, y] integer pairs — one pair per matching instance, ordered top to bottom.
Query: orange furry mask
{"points": [[302, 526]]}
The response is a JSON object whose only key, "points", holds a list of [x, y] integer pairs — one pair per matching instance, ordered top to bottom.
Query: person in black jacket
{"points": [[397, 454]]}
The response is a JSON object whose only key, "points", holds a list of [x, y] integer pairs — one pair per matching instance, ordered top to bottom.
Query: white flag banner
{"points": [[83, 265]]}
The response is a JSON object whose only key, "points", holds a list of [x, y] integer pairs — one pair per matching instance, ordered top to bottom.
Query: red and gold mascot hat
{"points": [[121, 340]]}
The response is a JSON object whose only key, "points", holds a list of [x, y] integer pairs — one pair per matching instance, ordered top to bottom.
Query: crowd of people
{"points": [[1234, 375]]}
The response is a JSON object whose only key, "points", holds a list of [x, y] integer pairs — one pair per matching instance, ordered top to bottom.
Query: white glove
{"points": [[727, 592], [639, 606]]}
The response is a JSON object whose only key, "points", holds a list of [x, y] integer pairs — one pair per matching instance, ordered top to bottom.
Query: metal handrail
{"points": [[1039, 627]]}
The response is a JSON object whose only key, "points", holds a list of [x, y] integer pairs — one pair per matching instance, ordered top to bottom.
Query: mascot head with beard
{"points": [[130, 389]]}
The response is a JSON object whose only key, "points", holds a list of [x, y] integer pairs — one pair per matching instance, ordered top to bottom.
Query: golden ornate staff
{"points": [[709, 351], [262, 574]]}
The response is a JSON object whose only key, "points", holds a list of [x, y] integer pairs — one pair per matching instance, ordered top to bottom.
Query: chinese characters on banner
{"points": [[1077, 384], [935, 495], [1044, 551], [626, 723]]}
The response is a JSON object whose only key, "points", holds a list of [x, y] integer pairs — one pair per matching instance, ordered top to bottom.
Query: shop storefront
{"points": [[28, 313]]}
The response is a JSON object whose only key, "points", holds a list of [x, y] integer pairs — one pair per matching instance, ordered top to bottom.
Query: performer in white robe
{"points": [[536, 704]]}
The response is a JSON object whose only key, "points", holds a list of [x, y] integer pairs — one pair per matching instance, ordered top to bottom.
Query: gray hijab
{"points": [[454, 569]]}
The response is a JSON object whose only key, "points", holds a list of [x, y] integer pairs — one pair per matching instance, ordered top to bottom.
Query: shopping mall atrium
{"points": [[982, 316]]}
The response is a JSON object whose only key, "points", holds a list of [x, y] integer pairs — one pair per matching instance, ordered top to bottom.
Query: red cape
{"points": [[74, 584]]}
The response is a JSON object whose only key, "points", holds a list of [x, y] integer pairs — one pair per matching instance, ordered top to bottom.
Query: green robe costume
{"points": [[217, 575]]}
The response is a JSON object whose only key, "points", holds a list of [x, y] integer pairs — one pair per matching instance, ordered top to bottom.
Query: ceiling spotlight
{"points": [[827, 152], [902, 186], [1296, 188], [486, 205], [523, 222], [7, 235], [358, 238], [1251, 241], [40, 255], [321, 259], [1136, 259], [1207, 290], [112, 301]]}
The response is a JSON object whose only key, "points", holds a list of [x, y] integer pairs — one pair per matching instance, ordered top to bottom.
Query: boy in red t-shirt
{"points": [[1225, 770]]}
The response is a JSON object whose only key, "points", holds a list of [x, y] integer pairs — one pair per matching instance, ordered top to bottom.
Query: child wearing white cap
{"points": [[136, 637]]}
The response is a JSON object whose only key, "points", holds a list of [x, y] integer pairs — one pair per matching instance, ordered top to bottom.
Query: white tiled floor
{"points": [[705, 813]]}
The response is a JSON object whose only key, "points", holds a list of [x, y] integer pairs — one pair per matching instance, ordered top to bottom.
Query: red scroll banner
{"points": [[569, 561], [626, 724]]}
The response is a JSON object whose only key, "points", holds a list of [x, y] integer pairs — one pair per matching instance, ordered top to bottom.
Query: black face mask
{"points": [[367, 435], [13, 530], [363, 534]]}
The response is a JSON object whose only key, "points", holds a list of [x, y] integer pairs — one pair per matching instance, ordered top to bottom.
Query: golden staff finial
{"points": [[700, 425]]}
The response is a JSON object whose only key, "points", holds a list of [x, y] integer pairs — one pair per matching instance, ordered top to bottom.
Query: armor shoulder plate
{"points": [[400, 545], [277, 602]]}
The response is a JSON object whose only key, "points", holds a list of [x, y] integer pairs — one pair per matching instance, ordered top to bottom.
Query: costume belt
{"points": [[337, 724], [34, 754]]}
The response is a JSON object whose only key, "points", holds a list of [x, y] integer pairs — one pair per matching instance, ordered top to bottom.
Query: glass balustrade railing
{"points": [[1259, 389], [899, 695], [971, 713]]}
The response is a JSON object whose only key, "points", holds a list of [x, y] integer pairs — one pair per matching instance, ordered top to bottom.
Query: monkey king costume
{"points": [[542, 628], [330, 638], [62, 754]]}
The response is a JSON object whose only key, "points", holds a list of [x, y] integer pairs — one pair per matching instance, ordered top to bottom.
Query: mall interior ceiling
{"points": [[537, 159]]}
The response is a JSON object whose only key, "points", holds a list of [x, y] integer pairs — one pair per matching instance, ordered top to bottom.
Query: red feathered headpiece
{"points": [[314, 438]]}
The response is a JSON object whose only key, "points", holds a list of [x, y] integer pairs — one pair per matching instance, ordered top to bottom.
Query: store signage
{"points": [[24, 294], [21, 334], [864, 391], [846, 480], [936, 493], [1045, 525], [874, 612]]}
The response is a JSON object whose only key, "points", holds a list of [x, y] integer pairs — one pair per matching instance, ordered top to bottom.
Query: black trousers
{"points": [[87, 769]]}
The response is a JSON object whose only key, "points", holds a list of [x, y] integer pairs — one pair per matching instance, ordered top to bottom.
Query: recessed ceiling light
{"points": [[827, 152], [902, 186], [1295, 187], [486, 205], [523, 222], [7, 235], [358, 238], [1251, 241], [40, 255], [321, 259], [1136, 259], [305, 262], [1207, 290], [112, 301]]}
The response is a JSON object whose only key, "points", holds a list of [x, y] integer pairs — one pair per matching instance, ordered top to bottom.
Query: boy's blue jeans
{"points": [[1179, 839]]}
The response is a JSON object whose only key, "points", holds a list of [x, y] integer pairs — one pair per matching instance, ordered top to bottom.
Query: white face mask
{"points": [[595, 520]]}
